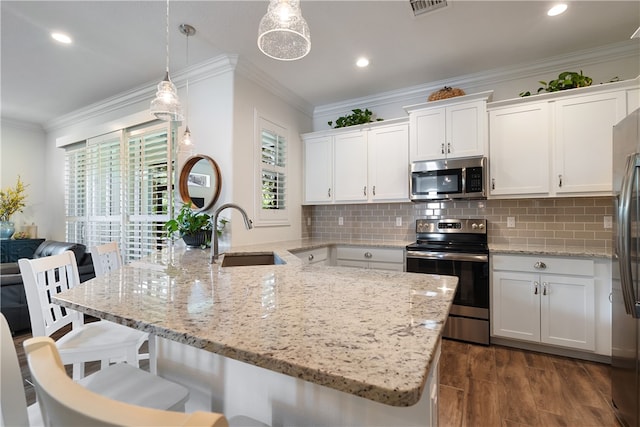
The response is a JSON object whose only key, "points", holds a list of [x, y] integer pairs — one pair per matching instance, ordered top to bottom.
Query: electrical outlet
{"points": [[340, 220], [398, 221], [511, 222], [608, 222]]}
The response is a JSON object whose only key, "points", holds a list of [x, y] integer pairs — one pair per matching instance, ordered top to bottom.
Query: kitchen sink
{"points": [[241, 259]]}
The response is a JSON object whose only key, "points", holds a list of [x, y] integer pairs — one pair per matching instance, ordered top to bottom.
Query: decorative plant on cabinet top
{"points": [[566, 80], [358, 117]]}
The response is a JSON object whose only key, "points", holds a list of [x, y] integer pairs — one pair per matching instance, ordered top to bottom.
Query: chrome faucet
{"points": [[247, 223]]}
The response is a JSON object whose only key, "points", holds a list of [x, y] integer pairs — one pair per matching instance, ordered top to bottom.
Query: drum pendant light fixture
{"points": [[188, 31], [283, 33], [166, 105]]}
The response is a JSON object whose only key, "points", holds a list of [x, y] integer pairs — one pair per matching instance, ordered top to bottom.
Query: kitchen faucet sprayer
{"points": [[247, 222]]}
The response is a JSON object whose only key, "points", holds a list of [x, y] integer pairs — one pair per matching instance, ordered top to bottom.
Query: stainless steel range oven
{"points": [[457, 247]]}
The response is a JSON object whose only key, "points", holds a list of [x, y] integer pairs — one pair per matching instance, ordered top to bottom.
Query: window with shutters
{"points": [[272, 157], [118, 188]]}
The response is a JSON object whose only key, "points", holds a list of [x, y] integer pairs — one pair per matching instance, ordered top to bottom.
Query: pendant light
{"points": [[188, 31], [283, 33], [166, 105]]}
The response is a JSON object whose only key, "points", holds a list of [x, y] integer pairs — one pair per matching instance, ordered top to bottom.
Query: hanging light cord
{"points": [[167, 37], [187, 107]]}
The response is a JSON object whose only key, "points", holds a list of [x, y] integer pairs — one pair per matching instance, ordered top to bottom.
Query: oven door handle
{"points": [[448, 256]]}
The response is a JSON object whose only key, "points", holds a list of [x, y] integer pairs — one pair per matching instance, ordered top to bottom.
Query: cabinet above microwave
{"points": [[449, 128]]}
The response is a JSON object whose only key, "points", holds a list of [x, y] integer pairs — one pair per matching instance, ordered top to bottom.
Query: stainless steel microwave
{"points": [[449, 179]]}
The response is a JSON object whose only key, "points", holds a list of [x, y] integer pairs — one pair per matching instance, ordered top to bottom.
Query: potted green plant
{"points": [[565, 80], [358, 117], [193, 227]]}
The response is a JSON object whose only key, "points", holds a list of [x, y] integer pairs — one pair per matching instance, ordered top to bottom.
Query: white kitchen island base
{"points": [[238, 389]]}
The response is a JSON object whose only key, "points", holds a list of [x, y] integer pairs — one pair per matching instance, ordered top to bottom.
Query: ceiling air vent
{"points": [[420, 7]]}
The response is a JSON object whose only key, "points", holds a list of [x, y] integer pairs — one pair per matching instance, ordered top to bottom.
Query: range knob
{"points": [[474, 226], [481, 226]]}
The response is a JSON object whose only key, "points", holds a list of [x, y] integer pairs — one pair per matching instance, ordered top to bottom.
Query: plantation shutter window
{"points": [[118, 188], [148, 191], [76, 192], [272, 199]]}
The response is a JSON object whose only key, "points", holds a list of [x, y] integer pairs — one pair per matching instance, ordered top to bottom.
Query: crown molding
{"points": [[626, 49], [214, 67], [253, 73]]}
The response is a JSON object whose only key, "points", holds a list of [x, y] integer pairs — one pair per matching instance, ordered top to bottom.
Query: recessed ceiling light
{"points": [[557, 9], [61, 37], [362, 62]]}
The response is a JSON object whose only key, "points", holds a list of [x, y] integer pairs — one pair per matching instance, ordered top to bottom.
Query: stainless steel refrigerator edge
{"points": [[625, 334]]}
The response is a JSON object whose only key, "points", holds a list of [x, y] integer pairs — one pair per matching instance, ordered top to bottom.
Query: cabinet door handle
{"points": [[442, 148], [448, 148], [559, 180], [493, 183], [364, 190], [374, 190], [329, 192], [368, 254], [311, 257], [540, 265], [535, 288], [544, 288], [610, 296]]}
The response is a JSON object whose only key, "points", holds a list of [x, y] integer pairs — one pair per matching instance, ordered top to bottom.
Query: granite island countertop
{"points": [[366, 332]]}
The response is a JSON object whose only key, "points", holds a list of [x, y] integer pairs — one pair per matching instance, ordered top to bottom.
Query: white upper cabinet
{"points": [[450, 128], [583, 140], [557, 144], [519, 149], [368, 163], [389, 163], [350, 164], [318, 166]]}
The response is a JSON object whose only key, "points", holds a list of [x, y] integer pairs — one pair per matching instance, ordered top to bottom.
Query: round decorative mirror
{"points": [[200, 182]]}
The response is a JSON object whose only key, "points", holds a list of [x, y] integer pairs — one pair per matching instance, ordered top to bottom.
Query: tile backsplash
{"points": [[566, 222]]}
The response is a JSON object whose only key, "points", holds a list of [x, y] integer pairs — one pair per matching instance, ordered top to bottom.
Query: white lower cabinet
{"points": [[318, 256], [370, 257], [544, 299]]}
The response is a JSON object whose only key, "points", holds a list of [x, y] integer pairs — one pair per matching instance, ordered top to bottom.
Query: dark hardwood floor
{"points": [[498, 386], [501, 386]]}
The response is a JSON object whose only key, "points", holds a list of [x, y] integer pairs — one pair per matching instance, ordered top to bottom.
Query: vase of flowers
{"points": [[11, 201]]}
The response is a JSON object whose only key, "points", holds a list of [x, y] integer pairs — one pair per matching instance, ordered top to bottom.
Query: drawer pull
{"points": [[368, 255], [311, 257], [540, 265]]}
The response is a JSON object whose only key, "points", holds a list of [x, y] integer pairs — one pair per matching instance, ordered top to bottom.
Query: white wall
{"points": [[250, 97], [211, 123], [23, 153]]}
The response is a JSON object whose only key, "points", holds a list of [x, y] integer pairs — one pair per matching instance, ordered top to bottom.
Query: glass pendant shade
{"points": [[283, 33], [166, 105], [186, 138]]}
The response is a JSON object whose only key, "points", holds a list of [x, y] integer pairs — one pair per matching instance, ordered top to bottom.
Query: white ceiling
{"points": [[119, 45]]}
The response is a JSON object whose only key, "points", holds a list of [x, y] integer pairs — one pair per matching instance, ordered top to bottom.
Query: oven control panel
{"points": [[457, 225]]}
